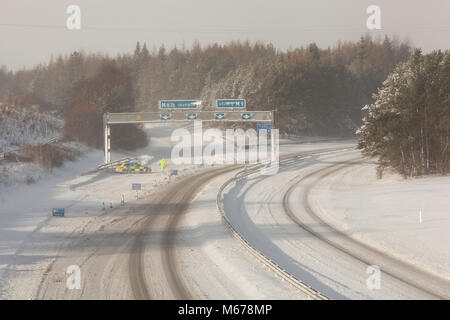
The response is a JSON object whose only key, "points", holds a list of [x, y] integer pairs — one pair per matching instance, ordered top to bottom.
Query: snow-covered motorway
{"points": [[174, 243]]}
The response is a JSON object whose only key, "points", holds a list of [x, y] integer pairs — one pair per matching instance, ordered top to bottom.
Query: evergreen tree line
{"points": [[315, 91], [408, 125]]}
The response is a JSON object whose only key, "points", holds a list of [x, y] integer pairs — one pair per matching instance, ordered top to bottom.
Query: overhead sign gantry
{"points": [[231, 110]]}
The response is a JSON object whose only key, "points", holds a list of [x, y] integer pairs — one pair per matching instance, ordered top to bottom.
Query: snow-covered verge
{"points": [[19, 127], [409, 219]]}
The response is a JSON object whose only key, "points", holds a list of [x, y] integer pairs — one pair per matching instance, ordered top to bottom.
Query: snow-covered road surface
{"points": [[255, 207], [144, 250]]}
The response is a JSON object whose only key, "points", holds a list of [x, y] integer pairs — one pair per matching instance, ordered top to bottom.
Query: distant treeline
{"points": [[316, 91]]}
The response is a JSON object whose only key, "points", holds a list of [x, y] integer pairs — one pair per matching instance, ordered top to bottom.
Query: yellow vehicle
{"points": [[132, 167]]}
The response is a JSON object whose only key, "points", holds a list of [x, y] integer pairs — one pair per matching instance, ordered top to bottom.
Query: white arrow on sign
{"points": [[220, 115], [165, 116], [192, 116], [246, 116]]}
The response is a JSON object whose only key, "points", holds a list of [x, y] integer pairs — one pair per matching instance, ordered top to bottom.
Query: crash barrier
{"points": [[115, 163], [248, 170], [314, 294]]}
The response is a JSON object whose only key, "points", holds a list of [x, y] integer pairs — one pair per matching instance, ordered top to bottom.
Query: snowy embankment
{"points": [[20, 127], [409, 219]]}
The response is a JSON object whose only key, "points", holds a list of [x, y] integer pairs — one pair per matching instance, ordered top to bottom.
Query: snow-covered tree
{"points": [[407, 126]]}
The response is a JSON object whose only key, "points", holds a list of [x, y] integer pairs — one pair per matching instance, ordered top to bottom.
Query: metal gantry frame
{"points": [[166, 116]]}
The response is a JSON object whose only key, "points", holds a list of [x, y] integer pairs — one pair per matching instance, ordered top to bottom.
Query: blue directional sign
{"points": [[230, 103], [179, 104], [165, 116], [192, 116], [219, 116], [246, 116], [264, 126], [135, 186], [58, 212]]}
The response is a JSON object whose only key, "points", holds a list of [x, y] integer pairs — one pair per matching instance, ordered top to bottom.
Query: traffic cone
{"points": [[155, 185], [122, 201], [110, 205], [103, 208]]}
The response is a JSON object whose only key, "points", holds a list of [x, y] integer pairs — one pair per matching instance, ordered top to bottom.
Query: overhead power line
{"points": [[239, 30]]}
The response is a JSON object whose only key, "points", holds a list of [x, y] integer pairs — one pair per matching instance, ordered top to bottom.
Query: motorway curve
{"points": [[276, 218], [131, 252]]}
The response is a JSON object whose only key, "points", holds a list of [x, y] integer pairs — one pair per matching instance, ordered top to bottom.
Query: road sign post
{"points": [[264, 126], [136, 186], [58, 212]]}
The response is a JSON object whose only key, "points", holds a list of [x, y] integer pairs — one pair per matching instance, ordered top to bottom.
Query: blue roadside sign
{"points": [[230, 103], [179, 104], [165, 116], [192, 116], [219, 116], [246, 116], [264, 126], [136, 186], [58, 212]]}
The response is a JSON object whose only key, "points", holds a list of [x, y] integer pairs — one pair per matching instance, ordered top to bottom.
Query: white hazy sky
{"points": [[32, 30]]}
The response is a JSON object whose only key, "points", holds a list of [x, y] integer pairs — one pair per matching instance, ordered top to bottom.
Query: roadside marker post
{"points": [[103, 206]]}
